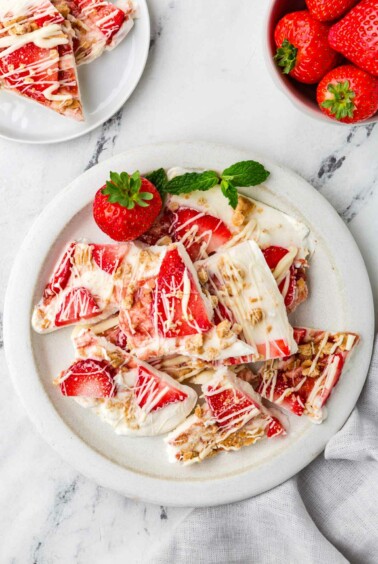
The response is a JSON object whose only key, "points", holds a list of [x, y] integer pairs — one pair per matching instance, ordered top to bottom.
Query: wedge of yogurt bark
{"points": [[97, 25], [36, 56], [204, 222], [85, 285], [245, 294], [164, 311], [303, 382], [133, 397], [231, 418]]}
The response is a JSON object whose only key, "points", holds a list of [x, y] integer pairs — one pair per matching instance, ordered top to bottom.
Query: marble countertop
{"points": [[205, 80]]}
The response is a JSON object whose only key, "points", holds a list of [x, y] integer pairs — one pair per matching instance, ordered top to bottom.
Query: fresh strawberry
{"points": [[328, 10], [107, 17], [356, 36], [303, 50], [16, 67], [348, 94], [126, 206], [159, 229], [200, 233], [273, 255], [108, 257], [59, 279], [78, 304], [179, 314], [299, 334], [116, 336], [273, 349], [88, 378], [152, 393], [291, 401], [229, 406], [275, 428]]}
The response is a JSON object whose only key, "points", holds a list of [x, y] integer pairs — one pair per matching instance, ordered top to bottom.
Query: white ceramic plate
{"points": [[105, 86], [341, 299]]}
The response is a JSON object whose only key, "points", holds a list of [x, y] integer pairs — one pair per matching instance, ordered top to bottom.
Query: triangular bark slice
{"points": [[98, 25], [36, 57], [85, 285], [246, 294], [164, 311], [303, 382], [130, 395], [232, 417]]}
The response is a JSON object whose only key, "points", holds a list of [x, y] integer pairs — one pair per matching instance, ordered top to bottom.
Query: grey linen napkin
{"points": [[328, 513]]}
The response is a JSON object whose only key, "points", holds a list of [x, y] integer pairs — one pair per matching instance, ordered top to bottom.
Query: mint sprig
{"points": [[241, 174], [159, 179], [191, 182], [124, 189]]}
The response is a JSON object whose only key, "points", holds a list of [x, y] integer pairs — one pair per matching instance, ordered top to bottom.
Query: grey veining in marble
{"points": [[205, 80]]}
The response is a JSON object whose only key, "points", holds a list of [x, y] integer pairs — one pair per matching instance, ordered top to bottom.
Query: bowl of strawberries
{"points": [[324, 55]]}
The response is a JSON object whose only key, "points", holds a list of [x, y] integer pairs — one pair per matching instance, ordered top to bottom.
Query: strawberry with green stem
{"points": [[303, 50], [348, 94], [126, 206]]}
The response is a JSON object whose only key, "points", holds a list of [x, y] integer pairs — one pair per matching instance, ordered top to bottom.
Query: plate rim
{"points": [[143, 13], [97, 466]]}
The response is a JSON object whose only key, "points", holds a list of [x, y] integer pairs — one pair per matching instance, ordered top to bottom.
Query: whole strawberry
{"points": [[328, 10], [356, 36], [303, 50], [348, 94], [126, 206]]}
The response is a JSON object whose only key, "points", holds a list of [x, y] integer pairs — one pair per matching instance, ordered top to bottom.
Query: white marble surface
{"points": [[205, 80]]}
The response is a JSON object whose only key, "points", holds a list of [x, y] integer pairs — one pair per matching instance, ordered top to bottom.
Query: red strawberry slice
{"points": [[54, 17], [108, 18], [17, 65], [159, 229], [200, 233], [273, 255], [108, 257], [61, 275], [292, 288], [78, 304], [179, 314], [299, 334], [116, 336], [274, 349], [337, 361], [88, 378], [152, 393], [294, 402], [229, 406], [275, 428]]}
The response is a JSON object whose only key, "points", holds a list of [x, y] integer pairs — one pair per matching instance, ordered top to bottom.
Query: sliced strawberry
{"points": [[44, 13], [107, 17], [18, 64], [159, 229], [200, 233], [273, 255], [108, 257], [59, 279], [291, 291], [78, 304], [179, 305], [299, 334], [116, 336], [274, 349], [338, 362], [88, 378], [153, 393], [294, 401], [229, 406], [275, 428]]}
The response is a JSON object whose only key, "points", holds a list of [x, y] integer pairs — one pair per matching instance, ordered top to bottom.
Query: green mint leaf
{"points": [[245, 173], [158, 178], [192, 181], [229, 190]]}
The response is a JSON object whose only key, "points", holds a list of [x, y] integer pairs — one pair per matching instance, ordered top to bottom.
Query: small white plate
{"points": [[105, 86], [340, 299]]}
